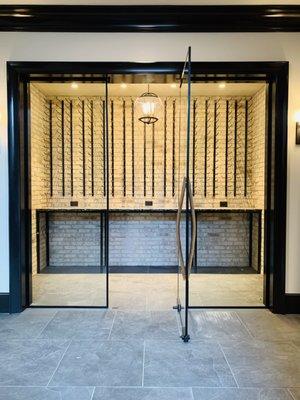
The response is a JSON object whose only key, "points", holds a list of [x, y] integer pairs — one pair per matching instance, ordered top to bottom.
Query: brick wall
{"points": [[162, 146]]}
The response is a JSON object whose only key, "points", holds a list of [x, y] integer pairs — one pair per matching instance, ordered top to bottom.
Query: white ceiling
{"points": [[155, 2], [136, 89]]}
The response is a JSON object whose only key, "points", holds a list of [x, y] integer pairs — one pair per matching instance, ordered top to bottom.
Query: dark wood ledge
{"points": [[64, 18]]}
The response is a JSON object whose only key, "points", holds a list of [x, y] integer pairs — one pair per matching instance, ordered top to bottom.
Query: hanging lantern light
{"points": [[148, 107]]}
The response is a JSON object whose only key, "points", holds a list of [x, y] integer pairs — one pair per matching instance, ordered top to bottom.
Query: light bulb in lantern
{"points": [[148, 107]]}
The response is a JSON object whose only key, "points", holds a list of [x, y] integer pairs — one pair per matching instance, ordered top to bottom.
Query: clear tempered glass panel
{"points": [[183, 176], [69, 256]]}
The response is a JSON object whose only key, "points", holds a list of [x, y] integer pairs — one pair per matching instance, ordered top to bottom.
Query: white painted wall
{"points": [[158, 47]]}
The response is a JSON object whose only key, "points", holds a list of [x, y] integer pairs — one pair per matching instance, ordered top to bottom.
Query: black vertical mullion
{"points": [[194, 144], [63, 146], [103, 146], [235, 146], [51, 147], [92, 147], [205, 147], [226, 147], [71, 148], [83, 148], [112, 148], [124, 148], [132, 148], [165, 148], [173, 149], [215, 149], [246, 149], [145, 153], [153, 161]]}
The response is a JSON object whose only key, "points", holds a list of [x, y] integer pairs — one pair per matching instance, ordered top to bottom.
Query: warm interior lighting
{"points": [[74, 85], [123, 85], [173, 85], [222, 85], [148, 107], [297, 116]]}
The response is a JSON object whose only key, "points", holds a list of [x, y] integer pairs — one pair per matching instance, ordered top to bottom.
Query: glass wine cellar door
{"points": [[185, 222]]}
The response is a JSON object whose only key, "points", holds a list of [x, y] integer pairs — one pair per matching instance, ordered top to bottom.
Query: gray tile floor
{"points": [[75, 354]]}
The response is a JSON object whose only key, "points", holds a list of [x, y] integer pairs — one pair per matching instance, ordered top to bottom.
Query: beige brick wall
{"points": [[121, 162], [40, 176]]}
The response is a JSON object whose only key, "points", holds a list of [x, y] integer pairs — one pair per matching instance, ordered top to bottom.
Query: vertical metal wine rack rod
{"points": [[194, 144], [63, 145], [104, 146], [235, 146], [51, 147], [83, 147], [92, 147], [205, 147], [226, 147], [71, 148], [112, 148], [124, 148], [165, 148], [132, 149], [173, 149], [215, 149], [246, 149], [153, 160], [145, 161]]}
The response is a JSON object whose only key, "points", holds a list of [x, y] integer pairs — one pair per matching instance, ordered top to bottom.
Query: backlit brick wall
{"points": [[147, 164]]}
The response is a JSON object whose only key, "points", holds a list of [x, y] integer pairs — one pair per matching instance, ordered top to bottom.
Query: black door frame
{"points": [[274, 73]]}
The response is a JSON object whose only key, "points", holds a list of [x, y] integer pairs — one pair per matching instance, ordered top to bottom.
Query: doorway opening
{"points": [[102, 187]]}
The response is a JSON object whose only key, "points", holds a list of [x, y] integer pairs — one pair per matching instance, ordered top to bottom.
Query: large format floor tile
{"points": [[79, 324], [216, 324], [27, 325], [145, 325], [267, 326], [29, 363], [101, 363], [257, 363], [180, 364], [43, 393], [143, 394], [240, 394]]}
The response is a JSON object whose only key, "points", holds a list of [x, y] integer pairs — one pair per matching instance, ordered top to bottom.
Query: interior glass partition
{"points": [[69, 194], [185, 224]]}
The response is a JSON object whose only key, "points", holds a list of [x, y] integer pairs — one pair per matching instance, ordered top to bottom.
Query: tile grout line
{"points": [[50, 320], [112, 324], [245, 326], [67, 348], [221, 348], [143, 371], [93, 392], [192, 393]]}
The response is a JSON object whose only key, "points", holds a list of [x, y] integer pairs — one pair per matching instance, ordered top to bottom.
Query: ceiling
{"points": [[136, 89]]}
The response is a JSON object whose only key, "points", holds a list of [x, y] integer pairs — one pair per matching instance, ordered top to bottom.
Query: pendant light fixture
{"points": [[148, 107]]}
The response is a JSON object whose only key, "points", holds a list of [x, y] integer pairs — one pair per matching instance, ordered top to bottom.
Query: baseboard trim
{"points": [[4, 302], [292, 303]]}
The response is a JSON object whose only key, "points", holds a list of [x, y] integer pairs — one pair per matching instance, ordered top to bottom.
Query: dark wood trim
{"points": [[162, 18], [18, 73], [4, 303], [292, 303]]}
